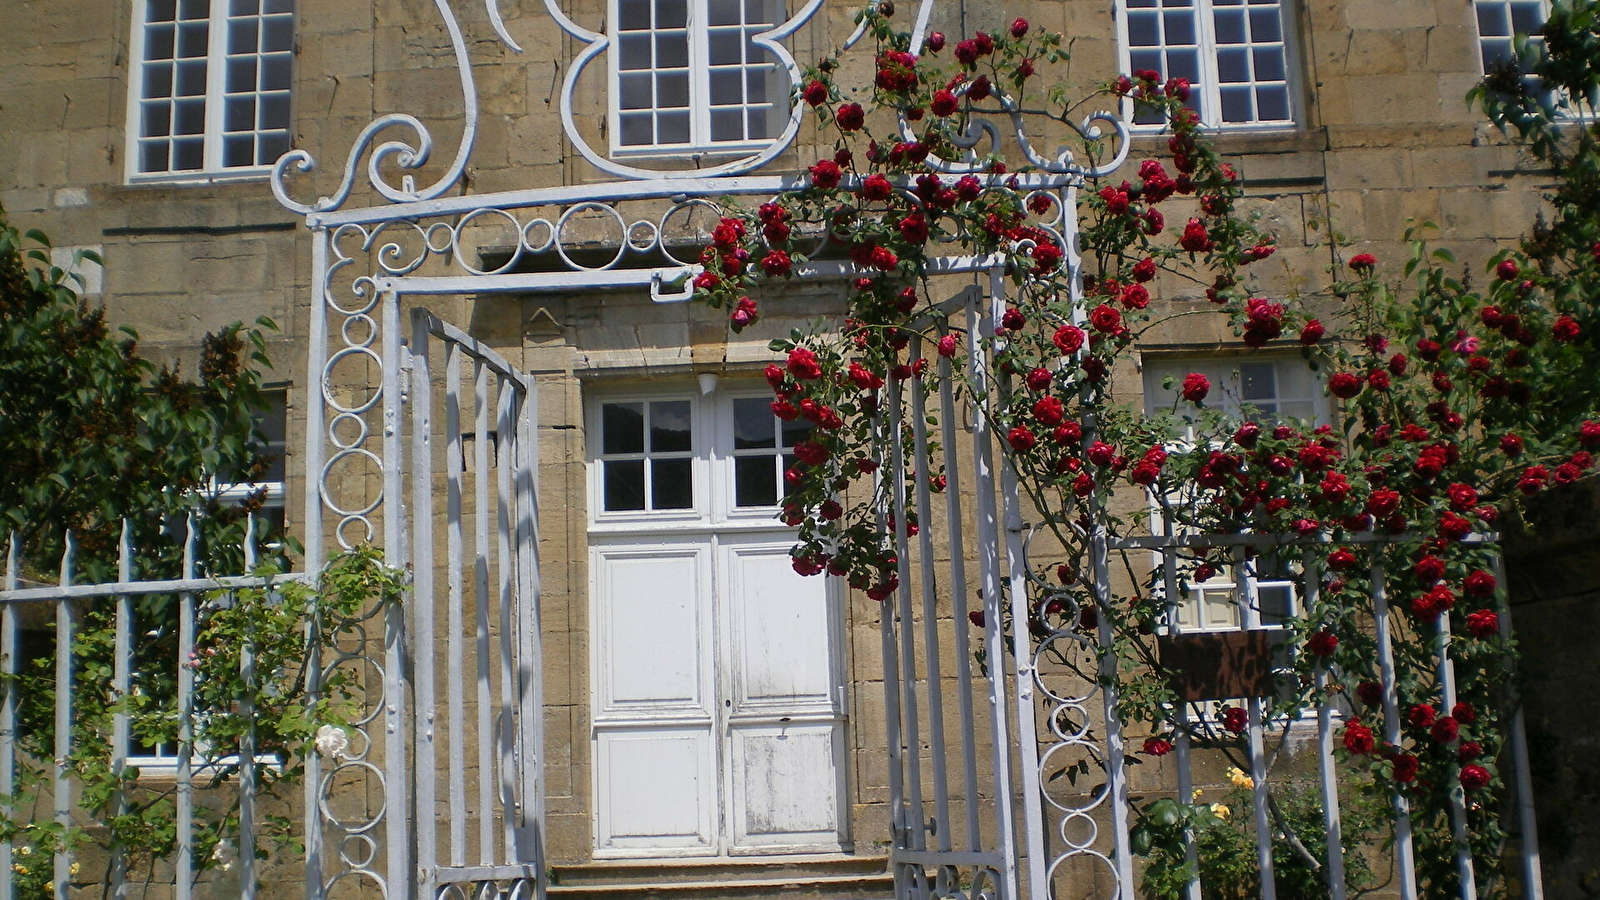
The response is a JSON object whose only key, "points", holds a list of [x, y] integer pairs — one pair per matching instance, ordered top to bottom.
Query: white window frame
{"points": [[1506, 40], [699, 70], [1209, 88], [212, 168]]}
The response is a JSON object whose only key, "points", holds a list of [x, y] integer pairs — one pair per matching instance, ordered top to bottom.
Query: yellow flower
{"points": [[1240, 779], [1195, 795], [1221, 810], [24, 850], [19, 868], [73, 869]]}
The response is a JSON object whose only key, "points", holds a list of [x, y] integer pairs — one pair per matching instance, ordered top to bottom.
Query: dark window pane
{"points": [[277, 6], [161, 10], [724, 12], [672, 14], [633, 15], [1230, 26], [1264, 26], [1179, 27], [1143, 30], [277, 34], [242, 36], [192, 40], [158, 43], [672, 50], [633, 51], [1269, 63], [1233, 65], [192, 79], [672, 90], [1272, 103], [1236, 104], [275, 111], [239, 113], [191, 117], [157, 120], [727, 125], [674, 128], [635, 130], [271, 147], [238, 151], [188, 154], [153, 156], [1259, 381], [752, 424], [622, 425], [669, 427], [795, 432], [789, 462], [755, 481], [671, 484], [624, 488], [1274, 602]]}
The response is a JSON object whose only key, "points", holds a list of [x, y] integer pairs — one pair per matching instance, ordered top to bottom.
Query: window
{"points": [[1499, 22], [1233, 52], [687, 76], [210, 91], [1262, 388], [273, 426]]}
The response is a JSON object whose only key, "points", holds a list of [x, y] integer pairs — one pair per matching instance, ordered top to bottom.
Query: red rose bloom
{"points": [[1019, 27], [936, 42], [815, 92], [944, 103], [850, 117], [825, 174], [876, 187], [1194, 238], [883, 259], [1363, 262], [776, 263], [1144, 270], [1507, 270], [1106, 319], [1565, 329], [1312, 332], [1069, 338], [948, 346], [803, 364], [1040, 378], [1344, 385], [1195, 387], [1049, 411], [1589, 434], [1020, 439], [812, 454], [1462, 497], [1454, 527], [1341, 559], [1480, 584], [1483, 623], [1323, 643], [1370, 693], [1464, 713], [1422, 715], [1234, 719], [1445, 730], [1358, 738], [1157, 746], [1468, 751], [1405, 767], [1475, 777]]}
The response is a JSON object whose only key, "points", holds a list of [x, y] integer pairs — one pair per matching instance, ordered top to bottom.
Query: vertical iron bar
{"points": [[981, 328], [316, 433], [480, 551], [504, 568], [1249, 603], [958, 604], [930, 607], [530, 639], [121, 681], [455, 688], [8, 703], [1180, 737], [247, 741], [63, 743], [426, 757], [397, 769], [1329, 780], [184, 789], [1458, 794], [1527, 822], [917, 823], [899, 828], [1405, 857]]}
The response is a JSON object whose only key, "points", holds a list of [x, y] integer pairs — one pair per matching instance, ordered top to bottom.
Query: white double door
{"points": [[717, 695]]}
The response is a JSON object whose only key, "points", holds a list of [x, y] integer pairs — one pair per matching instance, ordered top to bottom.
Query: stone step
{"points": [[795, 878]]}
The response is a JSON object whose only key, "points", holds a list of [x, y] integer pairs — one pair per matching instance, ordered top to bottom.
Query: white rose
{"points": [[332, 741]]}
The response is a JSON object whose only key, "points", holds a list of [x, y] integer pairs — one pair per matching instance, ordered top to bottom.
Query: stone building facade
{"points": [[143, 129]]}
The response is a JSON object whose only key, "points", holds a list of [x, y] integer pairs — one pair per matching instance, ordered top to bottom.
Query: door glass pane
{"points": [[752, 424], [622, 425], [669, 426], [755, 481], [624, 484], [671, 485]]}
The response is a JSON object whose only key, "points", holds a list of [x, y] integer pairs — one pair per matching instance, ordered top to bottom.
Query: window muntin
{"points": [[1233, 52], [687, 76], [211, 87], [762, 445]]}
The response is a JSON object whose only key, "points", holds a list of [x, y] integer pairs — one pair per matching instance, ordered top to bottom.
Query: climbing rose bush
{"points": [[1457, 404]]}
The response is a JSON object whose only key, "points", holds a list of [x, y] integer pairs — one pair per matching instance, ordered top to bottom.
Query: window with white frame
{"points": [[1500, 21], [1234, 53], [687, 76], [210, 90], [1265, 389], [269, 485]]}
